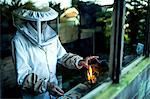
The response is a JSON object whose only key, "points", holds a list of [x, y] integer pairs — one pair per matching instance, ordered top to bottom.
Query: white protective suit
{"points": [[36, 53]]}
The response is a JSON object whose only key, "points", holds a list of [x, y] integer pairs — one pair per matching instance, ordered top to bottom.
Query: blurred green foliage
{"points": [[135, 23]]}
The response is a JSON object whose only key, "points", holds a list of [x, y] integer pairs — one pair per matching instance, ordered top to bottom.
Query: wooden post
{"points": [[147, 36], [116, 49]]}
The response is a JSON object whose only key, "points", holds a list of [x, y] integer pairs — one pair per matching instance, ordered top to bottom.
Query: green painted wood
{"points": [[114, 89]]}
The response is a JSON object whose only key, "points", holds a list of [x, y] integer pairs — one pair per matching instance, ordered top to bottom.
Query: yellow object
{"points": [[71, 12], [90, 76]]}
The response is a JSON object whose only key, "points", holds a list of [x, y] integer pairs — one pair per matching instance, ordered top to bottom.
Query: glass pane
{"points": [[135, 28], [86, 34], [91, 36]]}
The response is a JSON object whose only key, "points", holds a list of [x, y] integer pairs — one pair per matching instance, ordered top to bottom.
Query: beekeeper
{"points": [[37, 49]]}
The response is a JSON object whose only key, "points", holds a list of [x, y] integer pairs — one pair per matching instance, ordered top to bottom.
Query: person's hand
{"points": [[88, 60], [54, 89]]}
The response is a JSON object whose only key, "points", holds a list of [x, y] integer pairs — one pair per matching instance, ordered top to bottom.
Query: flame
{"points": [[91, 78]]}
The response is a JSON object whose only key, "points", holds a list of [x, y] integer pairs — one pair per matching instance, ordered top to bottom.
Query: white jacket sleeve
{"points": [[60, 50], [20, 58], [69, 60]]}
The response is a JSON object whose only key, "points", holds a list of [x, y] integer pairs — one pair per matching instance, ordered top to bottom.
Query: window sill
{"points": [[129, 74]]}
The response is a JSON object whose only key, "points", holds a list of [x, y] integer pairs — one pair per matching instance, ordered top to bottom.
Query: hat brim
{"points": [[36, 15]]}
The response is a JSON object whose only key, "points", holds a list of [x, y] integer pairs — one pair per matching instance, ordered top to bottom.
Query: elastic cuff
{"points": [[77, 63]]}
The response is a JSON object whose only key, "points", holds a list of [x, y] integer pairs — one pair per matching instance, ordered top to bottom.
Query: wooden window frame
{"points": [[147, 35], [117, 40], [116, 51]]}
